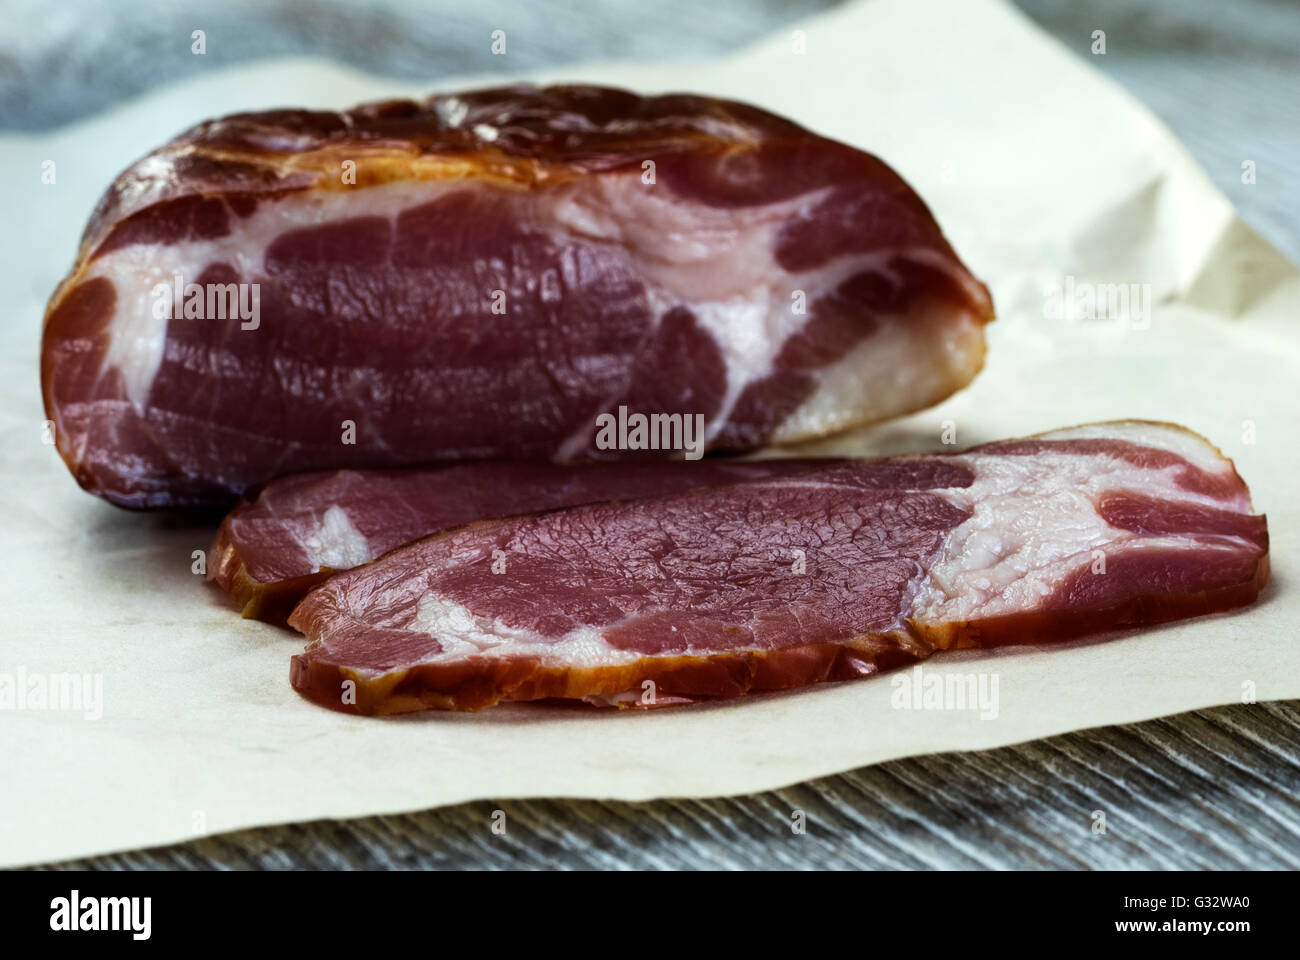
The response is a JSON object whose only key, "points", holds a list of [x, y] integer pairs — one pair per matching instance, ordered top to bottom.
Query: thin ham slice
{"points": [[487, 275], [277, 545], [837, 572]]}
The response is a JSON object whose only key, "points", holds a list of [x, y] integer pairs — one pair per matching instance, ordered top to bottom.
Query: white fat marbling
{"points": [[717, 262], [1034, 521], [336, 542], [462, 633]]}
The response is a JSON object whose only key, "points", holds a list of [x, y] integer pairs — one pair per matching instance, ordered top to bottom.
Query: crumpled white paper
{"points": [[1043, 174]]}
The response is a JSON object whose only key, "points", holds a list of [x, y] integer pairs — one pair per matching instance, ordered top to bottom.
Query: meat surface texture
{"points": [[484, 275], [272, 549], [833, 573]]}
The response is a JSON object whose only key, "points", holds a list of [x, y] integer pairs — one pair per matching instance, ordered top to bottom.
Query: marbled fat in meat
{"points": [[504, 266], [274, 547], [827, 574]]}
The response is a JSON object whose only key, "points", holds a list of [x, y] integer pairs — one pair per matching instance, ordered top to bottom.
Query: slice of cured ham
{"points": [[484, 275], [298, 530], [829, 574]]}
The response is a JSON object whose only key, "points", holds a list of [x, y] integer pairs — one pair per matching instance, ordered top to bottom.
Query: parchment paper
{"points": [[1038, 167]]}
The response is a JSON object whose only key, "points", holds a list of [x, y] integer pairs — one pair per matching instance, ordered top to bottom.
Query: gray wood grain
{"points": [[1225, 76], [1209, 789]]}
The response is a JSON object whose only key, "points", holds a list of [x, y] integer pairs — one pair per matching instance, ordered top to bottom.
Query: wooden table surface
{"points": [[1210, 789]]}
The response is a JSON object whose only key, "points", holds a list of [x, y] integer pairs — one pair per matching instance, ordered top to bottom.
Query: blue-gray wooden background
{"points": [[1215, 788]]}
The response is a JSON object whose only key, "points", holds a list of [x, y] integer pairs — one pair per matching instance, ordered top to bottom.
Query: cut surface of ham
{"points": [[488, 275], [272, 549], [828, 574]]}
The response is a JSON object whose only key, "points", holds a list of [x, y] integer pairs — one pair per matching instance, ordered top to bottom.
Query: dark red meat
{"points": [[483, 275], [298, 530], [826, 574]]}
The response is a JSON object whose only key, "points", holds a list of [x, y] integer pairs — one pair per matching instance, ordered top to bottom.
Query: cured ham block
{"points": [[488, 275], [272, 549], [837, 572]]}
